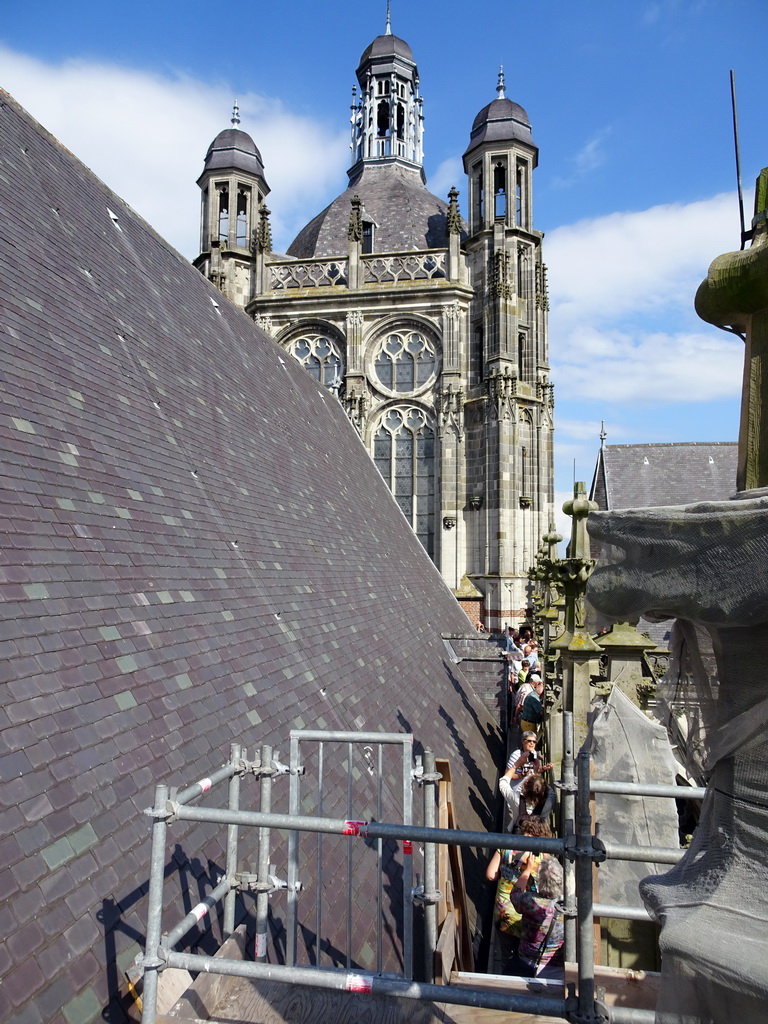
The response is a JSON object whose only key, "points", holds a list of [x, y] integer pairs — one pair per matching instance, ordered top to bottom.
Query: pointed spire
{"points": [[388, 31], [501, 87], [235, 114], [453, 220], [355, 230], [603, 434]]}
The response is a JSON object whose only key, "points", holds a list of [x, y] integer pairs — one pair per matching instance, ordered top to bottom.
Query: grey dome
{"points": [[387, 46], [501, 121], [235, 150], [405, 214]]}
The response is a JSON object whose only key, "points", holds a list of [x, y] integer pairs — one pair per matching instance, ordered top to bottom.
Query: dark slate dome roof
{"points": [[387, 46], [500, 121], [234, 149], [406, 215]]}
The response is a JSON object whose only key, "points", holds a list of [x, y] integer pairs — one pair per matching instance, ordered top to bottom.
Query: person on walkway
{"points": [[532, 708], [521, 764], [537, 798], [504, 867], [542, 932]]}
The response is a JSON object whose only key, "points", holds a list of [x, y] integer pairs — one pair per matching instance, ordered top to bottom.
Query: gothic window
{"points": [[382, 118], [400, 121], [519, 181], [500, 191], [478, 196], [223, 214], [242, 217], [367, 246], [476, 355], [321, 356], [405, 361], [521, 367], [525, 437], [404, 453]]}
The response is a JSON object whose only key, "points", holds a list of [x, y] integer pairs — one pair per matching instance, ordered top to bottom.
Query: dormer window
{"points": [[367, 244]]}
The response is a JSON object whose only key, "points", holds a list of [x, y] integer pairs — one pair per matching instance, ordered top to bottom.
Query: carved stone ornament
{"points": [[354, 320], [502, 391], [450, 406]]}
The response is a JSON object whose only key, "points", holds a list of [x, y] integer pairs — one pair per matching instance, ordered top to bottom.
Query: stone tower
{"points": [[232, 215], [431, 334]]}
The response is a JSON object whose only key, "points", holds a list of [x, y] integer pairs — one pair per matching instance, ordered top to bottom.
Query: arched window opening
{"points": [[382, 118], [400, 121], [500, 191], [478, 196], [519, 196], [224, 214], [242, 217], [476, 356], [322, 357], [405, 361], [521, 367], [404, 453]]}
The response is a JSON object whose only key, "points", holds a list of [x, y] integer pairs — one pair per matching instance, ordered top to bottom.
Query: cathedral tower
{"points": [[432, 334]]}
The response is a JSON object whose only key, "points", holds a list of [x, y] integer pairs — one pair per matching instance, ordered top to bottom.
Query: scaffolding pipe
{"points": [[318, 736], [198, 788], [648, 789], [568, 815], [369, 830], [232, 834], [293, 853], [649, 854], [407, 861], [262, 869], [430, 895], [197, 913], [622, 913], [586, 952], [151, 961], [341, 980], [629, 1015]]}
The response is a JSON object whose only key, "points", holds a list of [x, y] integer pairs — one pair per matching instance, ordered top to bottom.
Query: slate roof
{"points": [[500, 120], [234, 149], [407, 216], [651, 475], [196, 549]]}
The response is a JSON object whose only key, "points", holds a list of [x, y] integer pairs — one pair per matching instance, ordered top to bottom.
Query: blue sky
{"points": [[630, 106]]}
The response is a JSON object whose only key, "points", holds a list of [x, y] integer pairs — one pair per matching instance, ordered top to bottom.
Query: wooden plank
{"points": [[444, 906], [445, 951], [623, 987], [205, 994]]}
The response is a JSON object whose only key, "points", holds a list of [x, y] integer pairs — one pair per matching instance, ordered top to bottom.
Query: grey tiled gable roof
{"points": [[651, 475], [196, 549]]}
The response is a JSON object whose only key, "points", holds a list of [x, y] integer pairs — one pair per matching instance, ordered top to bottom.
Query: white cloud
{"points": [[146, 136], [591, 156], [449, 173], [622, 326], [585, 430]]}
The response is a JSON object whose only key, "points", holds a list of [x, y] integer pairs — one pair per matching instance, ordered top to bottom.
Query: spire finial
{"points": [[389, 22], [500, 88], [235, 114], [603, 434]]}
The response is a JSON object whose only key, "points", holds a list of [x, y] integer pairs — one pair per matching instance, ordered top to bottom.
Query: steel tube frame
{"points": [[407, 747], [429, 784], [204, 785], [648, 789], [568, 806], [370, 830], [232, 834], [651, 854], [293, 856], [262, 870], [197, 913], [623, 913], [586, 952], [151, 963], [352, 982]]}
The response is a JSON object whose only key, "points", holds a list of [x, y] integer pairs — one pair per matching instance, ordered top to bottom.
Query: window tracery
{"points": [[321, 356], [405, 361], [404, 454]]}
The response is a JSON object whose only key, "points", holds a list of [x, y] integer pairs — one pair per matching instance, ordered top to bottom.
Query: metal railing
{"points": [[579, 848]]}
